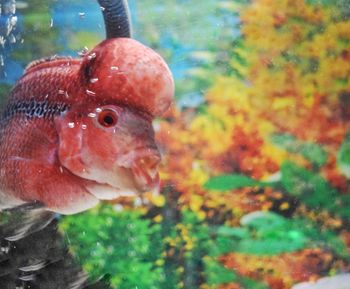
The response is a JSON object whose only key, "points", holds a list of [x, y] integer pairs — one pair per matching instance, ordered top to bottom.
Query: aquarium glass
{"points": [[255, 170]]}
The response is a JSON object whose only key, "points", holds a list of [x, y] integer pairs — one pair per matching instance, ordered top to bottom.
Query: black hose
{"points": [[117, 18]]}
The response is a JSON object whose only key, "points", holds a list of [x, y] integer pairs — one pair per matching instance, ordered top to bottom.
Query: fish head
{"points": [[106, 136], [111, 147]]}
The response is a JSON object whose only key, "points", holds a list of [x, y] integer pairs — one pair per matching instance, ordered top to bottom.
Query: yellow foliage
{"points": [[293, 80], [277, 154], [158, 200], [196, 203], [158, 219]]}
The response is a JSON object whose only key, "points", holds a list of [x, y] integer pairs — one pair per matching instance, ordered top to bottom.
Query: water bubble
{"points": [[102, 8], [82, 15], [13, 21], [51, 23], [12, 39], [83, 52], [92, 56], [114, 68], [93, 80], [89, 92], [91, 114], [71, 125], [84, 126], [138, 202], [118, 208], [5, 248]]}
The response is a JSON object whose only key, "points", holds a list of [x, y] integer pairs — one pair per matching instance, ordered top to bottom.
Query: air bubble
{"points": [[83, 52], [92, 56], [93, 80], [89, 92], [138, 202], [118, 208], [5, 249]]}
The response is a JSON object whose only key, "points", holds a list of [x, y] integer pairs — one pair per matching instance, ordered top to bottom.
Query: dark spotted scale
{"points": [[34, 109]]}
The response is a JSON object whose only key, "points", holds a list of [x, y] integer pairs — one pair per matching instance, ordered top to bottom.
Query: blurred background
{"points": [[256, 150]]}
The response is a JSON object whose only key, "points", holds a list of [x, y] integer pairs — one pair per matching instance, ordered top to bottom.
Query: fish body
{"points": [[76, 131]]}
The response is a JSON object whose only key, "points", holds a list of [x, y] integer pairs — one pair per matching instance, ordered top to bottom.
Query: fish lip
{"points": [[127, 161], [142, 164], [145, 179], [117, 192]]}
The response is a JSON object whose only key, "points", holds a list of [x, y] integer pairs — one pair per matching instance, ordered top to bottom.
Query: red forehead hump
{"points": [[126, 72]]}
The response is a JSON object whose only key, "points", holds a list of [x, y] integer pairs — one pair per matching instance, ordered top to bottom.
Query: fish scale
{"points": [[45, 80], [34, 109]]}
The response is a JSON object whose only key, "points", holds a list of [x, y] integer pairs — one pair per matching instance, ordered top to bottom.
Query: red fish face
{"points": [[79, 130], [112, 147]]}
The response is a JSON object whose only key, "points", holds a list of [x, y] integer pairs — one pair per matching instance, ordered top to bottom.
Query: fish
{"points": [[76, 131]]}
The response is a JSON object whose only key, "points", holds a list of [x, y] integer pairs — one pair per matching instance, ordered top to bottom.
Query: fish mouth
{"points": [[143, 168], [131, 175], [145, 179], [131, 183], [104, 191]]}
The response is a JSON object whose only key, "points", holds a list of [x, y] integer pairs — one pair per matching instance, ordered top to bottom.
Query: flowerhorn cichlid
{"points": [[76, 131]]}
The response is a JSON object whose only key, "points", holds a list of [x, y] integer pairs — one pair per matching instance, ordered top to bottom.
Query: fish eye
{"points": [[108, 118]]}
